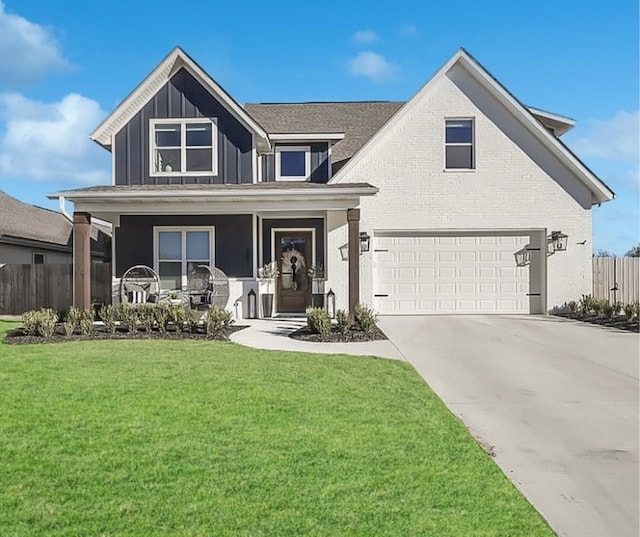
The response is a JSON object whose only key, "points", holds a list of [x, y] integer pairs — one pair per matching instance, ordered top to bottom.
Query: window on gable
{"points": [[459, 144], [183, 147], [293, 163], [180, 250], [38, 258]]}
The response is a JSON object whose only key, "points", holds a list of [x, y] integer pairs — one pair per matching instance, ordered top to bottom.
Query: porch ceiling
{"points": [[104, 201]]}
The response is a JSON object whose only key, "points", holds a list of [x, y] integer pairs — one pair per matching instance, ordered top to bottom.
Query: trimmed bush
{"points": [[586, 304], [573, 306], [607, 309], [629, 311], [161, 314], [128, 316], [146, 316], [107, 317], [176, 317], [366, 318], [217, 319], [343, 320], [71, 321], [193, 321], [318, 321], [30, 322], [45, 322], [85, 322]]}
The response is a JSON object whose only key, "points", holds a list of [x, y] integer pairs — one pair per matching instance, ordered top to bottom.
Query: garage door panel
{"points": [[451, 274]]}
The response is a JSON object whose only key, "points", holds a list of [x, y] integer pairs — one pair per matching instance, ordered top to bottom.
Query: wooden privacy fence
{"points": [[616, 278], [30, 287]]}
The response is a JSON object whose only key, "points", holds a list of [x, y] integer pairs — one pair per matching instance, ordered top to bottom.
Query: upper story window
{"points": [[183, 147], [459, 152], [293, 163]]}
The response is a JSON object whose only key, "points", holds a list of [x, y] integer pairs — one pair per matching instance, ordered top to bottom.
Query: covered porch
{"points": [[237, 228]]}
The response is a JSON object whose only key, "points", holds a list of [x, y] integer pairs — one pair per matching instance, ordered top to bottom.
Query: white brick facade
{"points": [[517, 184]]}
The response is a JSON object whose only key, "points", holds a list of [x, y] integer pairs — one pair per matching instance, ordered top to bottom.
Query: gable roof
{"points": [[176, 60], [359, 121], [600, 192]]}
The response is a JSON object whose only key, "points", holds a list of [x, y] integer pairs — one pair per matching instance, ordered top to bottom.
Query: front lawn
{"points": [[143, 438]]}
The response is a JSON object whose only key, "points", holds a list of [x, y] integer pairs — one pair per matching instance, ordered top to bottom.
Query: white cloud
{"points": [[408, 30], [365, 36], [27, 51], [371, 65], [617, 138], [50, 142]]}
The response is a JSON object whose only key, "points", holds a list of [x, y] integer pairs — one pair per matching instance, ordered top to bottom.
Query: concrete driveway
{"points": [[557, 400]]}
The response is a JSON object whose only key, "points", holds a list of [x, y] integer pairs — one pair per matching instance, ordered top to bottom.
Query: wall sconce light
{"points": [[365, 241], [559, 241], [344, 252], [523, 257], [331, 304], [253, 311]]}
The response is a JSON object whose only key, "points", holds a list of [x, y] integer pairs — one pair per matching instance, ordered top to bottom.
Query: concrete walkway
{"points": [[273, 334]]}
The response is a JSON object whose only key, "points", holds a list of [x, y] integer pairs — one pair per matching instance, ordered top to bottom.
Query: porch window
{"points": [[459, 144], [183, 147], [293, 163], [178, 251]]}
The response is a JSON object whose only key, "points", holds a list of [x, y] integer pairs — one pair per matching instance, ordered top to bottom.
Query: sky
{"points": [[65, 65]]}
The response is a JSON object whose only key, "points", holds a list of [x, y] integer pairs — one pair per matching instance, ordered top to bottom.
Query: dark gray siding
{"points": [[181, 97], [319, 163], [270, 223], [233, 240]]}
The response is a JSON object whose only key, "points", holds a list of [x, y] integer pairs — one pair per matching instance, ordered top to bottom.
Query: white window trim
{"points": [[183, 122], [471, 144], [307, 162], [183, 229]]}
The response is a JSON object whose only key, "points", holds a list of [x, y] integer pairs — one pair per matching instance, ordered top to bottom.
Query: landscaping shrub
{"points": [[586, 304], [573, 306], [597, 306], [617, 308], [607, 309], [629, 311], [106, 314], [162, 314], [128, 316], [146, 316], [176, 316], [366, 318], [216, 319], [46, 320], [343, 320], [71, 321], [193, 321], [318, 321], [30, 322], [85, 322]]}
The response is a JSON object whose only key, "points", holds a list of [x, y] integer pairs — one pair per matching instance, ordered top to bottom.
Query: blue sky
{"points": [[65, 65]]}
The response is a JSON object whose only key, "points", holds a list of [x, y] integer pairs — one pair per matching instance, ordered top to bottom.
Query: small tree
{"points": [[634, 252]]}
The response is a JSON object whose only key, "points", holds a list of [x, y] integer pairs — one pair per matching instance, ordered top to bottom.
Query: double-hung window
{"points": [[183, 147], [459, 153], [293, 163], [178, 251]]}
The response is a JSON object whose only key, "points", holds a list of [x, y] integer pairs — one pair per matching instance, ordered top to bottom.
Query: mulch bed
{"points": [[619, 322], [352, 336], [18, 337]]}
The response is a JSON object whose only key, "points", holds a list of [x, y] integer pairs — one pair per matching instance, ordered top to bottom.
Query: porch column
{"points": [[353, 219], [82, 260]]}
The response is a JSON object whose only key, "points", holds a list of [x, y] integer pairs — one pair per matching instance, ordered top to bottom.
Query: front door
{"points": [[293, 256]]}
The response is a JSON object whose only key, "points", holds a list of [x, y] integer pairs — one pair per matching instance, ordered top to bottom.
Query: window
{"points": [[459, 144], [183, 146], [293, 163], [178, 251], [38, 258]]}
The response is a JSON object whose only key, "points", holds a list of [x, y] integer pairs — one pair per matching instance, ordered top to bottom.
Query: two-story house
{"points": [[461, 200]]}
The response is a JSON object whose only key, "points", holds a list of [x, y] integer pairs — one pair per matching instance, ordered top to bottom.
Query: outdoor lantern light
{"points": [[365, 239], [559, 241], [523, 257], [331, 304], [253, 312]]}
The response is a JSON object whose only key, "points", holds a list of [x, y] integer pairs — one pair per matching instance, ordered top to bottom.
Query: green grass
{"points": [[191, 438]]}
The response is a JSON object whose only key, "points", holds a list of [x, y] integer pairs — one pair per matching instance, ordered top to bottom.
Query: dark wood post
{"points": [[353, 219], [82, 260]]}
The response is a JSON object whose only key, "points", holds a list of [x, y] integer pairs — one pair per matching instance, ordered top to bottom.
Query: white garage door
{"points": [[450, 274]]}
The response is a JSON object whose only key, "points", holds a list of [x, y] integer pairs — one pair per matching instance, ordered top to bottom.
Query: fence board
{"points": [[617, 278], [28, 287]]}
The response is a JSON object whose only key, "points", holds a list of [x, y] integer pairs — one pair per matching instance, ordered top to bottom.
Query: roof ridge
{"points": [[328, 102]]}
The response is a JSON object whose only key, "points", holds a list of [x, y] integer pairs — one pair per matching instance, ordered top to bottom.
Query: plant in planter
{"points": [[316, 273], [267, 275]]}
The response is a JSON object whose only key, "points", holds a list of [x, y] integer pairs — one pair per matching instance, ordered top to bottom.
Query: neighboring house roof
{"points": [[176, 60], [359, 121], [24, 223]]}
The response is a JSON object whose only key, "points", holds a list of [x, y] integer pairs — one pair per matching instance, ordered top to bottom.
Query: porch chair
{"points": [[139, 284], [206, 287]]}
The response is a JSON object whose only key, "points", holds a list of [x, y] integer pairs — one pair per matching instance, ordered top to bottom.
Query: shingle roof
{"points": [[359, 121], [22, 220]]}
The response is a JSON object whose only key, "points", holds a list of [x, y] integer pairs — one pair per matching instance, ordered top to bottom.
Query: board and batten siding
{"points": [[183, 97], [319, 162], [233, 240]]}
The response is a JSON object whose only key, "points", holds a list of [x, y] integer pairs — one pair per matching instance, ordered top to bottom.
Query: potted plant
{"points": [[316, 273], [267, 275]]}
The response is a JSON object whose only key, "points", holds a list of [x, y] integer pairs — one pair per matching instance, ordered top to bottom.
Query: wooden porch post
{"points": [[353, 219], [82, 260]]}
